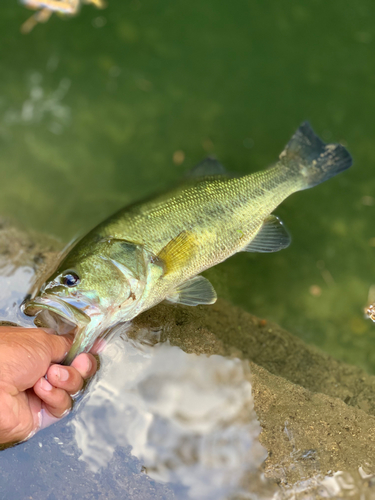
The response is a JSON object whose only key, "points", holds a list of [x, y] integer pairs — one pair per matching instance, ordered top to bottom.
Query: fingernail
{"points": [[89, 364], [62, 374], [46, 386]]}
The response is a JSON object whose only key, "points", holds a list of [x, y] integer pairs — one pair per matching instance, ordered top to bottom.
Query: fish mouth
{"points": [[53, 312]]}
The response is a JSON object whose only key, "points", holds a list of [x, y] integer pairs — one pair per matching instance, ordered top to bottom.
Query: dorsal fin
{"points": [[208, 167], [271, 237], [197, 290]]}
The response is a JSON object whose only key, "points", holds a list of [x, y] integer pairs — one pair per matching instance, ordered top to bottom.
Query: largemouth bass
{"points": [[155, 250]]}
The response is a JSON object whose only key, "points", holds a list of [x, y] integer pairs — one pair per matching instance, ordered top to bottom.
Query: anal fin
{"points": [[271, 237], [197, 290]]}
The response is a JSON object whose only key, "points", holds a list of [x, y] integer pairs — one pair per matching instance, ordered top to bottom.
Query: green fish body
{"points": [[155, 250]]}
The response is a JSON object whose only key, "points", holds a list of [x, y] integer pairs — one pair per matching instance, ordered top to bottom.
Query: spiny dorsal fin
{"points": [[208, 167], [271, 237], [179, 251], [197, 290]]}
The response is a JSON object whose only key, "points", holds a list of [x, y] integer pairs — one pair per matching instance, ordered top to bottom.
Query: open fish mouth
{"points": [[52, 312]]}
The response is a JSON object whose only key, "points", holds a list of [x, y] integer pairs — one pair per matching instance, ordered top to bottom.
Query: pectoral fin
{"points": [[271, 237], [179, 251], [197, 290]]}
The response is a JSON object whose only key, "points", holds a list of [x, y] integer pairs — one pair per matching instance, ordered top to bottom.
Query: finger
{"points": [[44, 340], [59, 345], [26, 354], [85, 364], [65, 377], [56, 401]]}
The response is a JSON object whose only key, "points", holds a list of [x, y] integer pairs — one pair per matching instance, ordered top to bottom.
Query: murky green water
{"points": [[105, 108]]}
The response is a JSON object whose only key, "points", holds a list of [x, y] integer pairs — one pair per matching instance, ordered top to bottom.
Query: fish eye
{"points": [[70, 279]]}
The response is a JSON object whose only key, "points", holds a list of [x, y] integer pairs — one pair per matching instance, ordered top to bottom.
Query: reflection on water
{"points": [[42, 105], [22, 255], [13, 283], [189, 419], [350, 485]]}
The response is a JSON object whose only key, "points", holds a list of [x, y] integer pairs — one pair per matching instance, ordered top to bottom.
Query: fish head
{"points": [[91, 290]]}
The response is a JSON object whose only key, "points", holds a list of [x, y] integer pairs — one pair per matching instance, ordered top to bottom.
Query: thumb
{"points": [[59, 345]]}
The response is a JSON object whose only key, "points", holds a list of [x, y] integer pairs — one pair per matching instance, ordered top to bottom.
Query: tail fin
{"points": [[310, 158]]}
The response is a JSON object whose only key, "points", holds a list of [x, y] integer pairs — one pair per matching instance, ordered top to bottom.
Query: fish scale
{"points": [[228, 204]]}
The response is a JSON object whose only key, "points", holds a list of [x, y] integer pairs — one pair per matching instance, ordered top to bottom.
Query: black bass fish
{"points": [[154, 250]]}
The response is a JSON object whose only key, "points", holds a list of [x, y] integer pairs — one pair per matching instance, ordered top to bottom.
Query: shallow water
{"points": [[108, 107], [188, 418]]}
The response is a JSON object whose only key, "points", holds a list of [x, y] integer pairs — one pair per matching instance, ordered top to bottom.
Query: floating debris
{"points": [[45, 9], [178, 157], [315, 290], [370, 307]]}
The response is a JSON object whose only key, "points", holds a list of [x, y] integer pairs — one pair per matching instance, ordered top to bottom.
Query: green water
{"points": [[92, 110]]}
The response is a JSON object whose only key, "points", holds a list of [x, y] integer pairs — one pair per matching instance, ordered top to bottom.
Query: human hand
{"points": [[33, 392]]}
